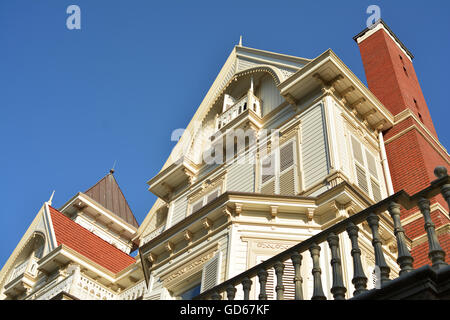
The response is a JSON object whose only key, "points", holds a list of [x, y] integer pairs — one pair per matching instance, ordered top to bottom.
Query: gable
{"points": [[241, 61], [42, 226]]}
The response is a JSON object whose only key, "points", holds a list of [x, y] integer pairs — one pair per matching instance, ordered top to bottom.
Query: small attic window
{"points": [[404, 69], [415, 104]]}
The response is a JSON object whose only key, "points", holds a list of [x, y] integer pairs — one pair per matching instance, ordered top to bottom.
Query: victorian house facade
{"points": [[283, 155]]}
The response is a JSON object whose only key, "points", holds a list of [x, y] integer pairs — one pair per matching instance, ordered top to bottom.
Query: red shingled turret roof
{"points": [[71, 234]]}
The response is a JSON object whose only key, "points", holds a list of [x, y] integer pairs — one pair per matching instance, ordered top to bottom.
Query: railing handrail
{"points": [[401, 197]]}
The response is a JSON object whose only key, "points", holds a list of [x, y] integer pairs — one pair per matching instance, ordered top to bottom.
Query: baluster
{"points": [[441, 172], [373, 221], [435, 253], [404, 258], [297, 262], [279, 268], [316, 272], [262, 275], [359, 279], [246, 286], [338, 289], [231, 292], [216, 296]]}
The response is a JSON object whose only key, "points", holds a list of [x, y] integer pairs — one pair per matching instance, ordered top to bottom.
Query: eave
{"points": [[328, 72], [163, 184], [83, 202], [228, 204]]}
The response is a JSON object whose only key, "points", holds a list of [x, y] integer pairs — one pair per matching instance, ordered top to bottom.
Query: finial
{"points": [[240, 41], [112, 169], [51, 198]]}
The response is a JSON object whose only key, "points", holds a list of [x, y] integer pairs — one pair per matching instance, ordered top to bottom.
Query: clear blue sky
{"points": [[73, 102]]}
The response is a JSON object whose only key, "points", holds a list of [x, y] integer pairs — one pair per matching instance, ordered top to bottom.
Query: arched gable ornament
{"points": [[275, 73]]}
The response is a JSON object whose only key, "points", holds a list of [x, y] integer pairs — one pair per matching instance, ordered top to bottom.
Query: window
{"points": [[279, 171], [366, 171], [204, 200], [211, 272], [190, 293]]}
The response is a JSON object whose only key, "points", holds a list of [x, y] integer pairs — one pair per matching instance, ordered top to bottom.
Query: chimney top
{"points": [[378, 25]]}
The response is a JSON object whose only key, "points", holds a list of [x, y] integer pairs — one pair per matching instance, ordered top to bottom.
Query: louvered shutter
{"points": [[357, 150], [371, 164], [268, 168], [287, 170], [268, 174], [361, 175], [376, 190], [213, 195], [197, 205], [211, 272], [288, 280]]}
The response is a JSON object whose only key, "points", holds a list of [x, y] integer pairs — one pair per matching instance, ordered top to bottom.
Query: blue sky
{"points": [[74, 101]]}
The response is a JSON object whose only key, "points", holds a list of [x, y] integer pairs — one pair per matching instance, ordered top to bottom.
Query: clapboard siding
{"points": [[269, 94], [342, 142], [314, 146], [241, 176], [179, 210], [223, 248]]}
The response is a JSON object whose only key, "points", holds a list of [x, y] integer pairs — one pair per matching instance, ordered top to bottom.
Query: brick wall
{"points": [[391, 77], [412, 158]]}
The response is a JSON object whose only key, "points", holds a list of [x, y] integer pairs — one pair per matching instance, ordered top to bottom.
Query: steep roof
{"points": [[108, 193], [71, 234]]}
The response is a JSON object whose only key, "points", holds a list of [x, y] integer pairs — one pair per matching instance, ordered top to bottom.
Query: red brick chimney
{"points": [[390, 73], [412, 146]]}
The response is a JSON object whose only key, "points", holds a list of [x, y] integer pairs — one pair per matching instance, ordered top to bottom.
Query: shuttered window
{"points": [[357, 152], [287, 156], [371, 165], [268, 168], [366, 170], [278, 171], [362, 178], [376, 191], [213, 195], [203, 201], [197, 206], [211, 272], [288, 280]]}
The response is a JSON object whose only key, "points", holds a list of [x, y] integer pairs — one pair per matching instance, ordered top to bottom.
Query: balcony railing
{"points": [[249, 101], [405, 261], [54, 289], [133, 292]]}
